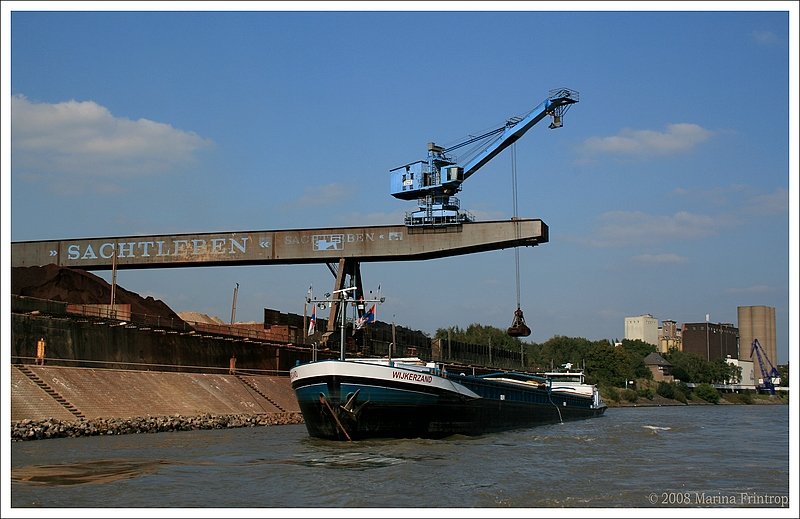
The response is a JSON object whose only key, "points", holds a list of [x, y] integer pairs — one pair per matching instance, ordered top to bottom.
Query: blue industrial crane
{"points": [[434, 181], [768, 378]]}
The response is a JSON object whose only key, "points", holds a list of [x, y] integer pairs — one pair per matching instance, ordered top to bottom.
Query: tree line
{"points": [[603, 362]]}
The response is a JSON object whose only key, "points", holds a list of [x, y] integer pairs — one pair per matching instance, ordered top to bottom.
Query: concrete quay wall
{"points": [[82, 401]]}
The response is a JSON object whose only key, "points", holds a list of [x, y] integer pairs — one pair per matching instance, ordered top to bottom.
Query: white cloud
{"points": [[765, 37], [677, 138], [74, 145], [323, 196], [719, 196], [742, 197], [776, 202], [373, 218], [618, 228], [659, 259], [755, 289]]}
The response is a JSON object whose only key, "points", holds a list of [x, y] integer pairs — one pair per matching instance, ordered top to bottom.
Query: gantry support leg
{"points": [[347, 267]]}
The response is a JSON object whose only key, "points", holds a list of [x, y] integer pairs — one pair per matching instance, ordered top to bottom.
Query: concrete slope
{"points": [[106, 393], [28, 400]]}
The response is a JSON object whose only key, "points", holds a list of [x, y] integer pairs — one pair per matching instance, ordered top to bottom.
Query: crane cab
{"points": [[437, 175]]}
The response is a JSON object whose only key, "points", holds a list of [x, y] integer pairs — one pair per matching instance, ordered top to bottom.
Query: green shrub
{"points": [[666, 389], [707, 392], [647, 393], [609, 394], [630, 395], [745, 397]]}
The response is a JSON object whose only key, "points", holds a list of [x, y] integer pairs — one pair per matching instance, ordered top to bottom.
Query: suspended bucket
{"points": [[518, 327], [519, 331]]}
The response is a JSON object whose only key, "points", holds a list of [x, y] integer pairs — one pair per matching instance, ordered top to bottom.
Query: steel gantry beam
{"points": [[327, 245], [343, 249]]}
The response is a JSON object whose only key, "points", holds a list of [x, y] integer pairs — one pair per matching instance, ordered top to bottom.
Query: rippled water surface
{"points": [[659, 457]]}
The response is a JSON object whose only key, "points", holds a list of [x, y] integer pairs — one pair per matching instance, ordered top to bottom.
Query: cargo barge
{"points": [[358, 399]]}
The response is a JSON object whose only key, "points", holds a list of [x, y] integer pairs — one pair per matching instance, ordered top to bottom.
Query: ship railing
{"points": [[516, 375]]}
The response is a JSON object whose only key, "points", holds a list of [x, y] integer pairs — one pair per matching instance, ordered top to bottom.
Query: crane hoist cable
{"points": [[515, 208], [518, 327]]}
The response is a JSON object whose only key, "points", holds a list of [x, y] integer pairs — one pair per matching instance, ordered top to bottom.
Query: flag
{"points": [[368, 317], [707, 317], [312, 326]]}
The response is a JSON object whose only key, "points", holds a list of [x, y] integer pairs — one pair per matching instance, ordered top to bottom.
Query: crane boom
{"points": [[433, 181]]}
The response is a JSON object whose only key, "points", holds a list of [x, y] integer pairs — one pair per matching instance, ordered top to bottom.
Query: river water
{"points": [[659, 458]]}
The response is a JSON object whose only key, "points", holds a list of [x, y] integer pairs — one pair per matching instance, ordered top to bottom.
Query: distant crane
{"points": [[435, 180], [769, 379]]}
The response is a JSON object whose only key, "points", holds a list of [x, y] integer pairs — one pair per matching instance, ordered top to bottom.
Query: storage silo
{"points": [[757, 322]]}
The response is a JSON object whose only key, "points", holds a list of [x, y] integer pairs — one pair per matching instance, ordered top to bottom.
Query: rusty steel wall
{"points": [[376, 243], [97, 343]]}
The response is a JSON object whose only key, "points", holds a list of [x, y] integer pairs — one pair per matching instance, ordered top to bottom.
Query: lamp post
{"points": [[233, 304], [342, 305], [113, 313]]}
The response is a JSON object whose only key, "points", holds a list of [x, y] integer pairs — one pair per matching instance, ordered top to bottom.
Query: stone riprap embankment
{"points": [[53, 428]]}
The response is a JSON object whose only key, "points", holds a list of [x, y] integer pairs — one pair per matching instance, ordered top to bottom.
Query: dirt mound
{"points": [[80, 287]]}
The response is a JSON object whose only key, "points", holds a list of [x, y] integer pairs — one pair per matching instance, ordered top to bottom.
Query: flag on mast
{"points": [[368, 317], [312, 326]]}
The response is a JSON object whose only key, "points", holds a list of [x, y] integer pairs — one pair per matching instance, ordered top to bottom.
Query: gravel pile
{"points": [[52, 428]]}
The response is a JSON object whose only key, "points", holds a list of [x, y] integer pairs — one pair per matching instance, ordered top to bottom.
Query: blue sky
{"points": [[666, 192]]}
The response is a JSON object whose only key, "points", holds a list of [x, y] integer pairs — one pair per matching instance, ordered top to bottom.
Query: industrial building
{"points": [[642, 327], [669, 336], [711, 340]]}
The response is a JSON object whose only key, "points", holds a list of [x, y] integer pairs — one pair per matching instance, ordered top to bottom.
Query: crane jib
{"points": [[434, 181]]}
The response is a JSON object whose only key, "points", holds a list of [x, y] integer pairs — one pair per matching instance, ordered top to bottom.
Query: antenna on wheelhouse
{"points": [[340, 296], [342, 316]]}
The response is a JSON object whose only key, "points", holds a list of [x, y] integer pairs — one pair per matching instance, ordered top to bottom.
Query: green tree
{"points": [[480, 334], [638, 347], [557, 351], [635, 352], [607, 364], [689, 367], [783, 369], [722, 372]]}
